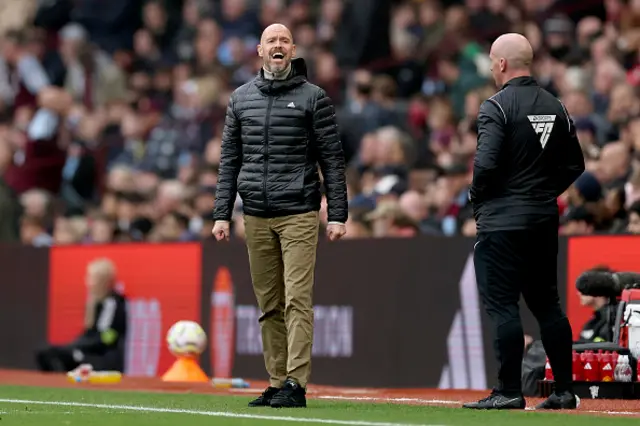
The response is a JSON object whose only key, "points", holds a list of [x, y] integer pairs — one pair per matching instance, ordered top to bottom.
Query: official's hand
{"points": [[221, 230], [335, 231], [527, 340]]}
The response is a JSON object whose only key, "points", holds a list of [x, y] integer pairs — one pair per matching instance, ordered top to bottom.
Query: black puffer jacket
{"points": [[276, 134]]}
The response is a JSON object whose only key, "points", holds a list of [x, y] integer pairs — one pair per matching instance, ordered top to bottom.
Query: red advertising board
{"points": [[620, 253], [162, 285]]}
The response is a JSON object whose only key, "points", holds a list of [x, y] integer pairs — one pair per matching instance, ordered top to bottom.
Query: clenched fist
{"points": [[221, 230], [335, 231]]}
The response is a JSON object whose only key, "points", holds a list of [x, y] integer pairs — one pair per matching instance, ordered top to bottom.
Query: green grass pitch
{"points": [[36, 406]]}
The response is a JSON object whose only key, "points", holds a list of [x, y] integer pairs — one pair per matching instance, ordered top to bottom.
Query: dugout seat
{"points": [[628, 297]]}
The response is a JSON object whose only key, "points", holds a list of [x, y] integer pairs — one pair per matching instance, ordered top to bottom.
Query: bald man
{"points": [[279, 128], [527, 155]]}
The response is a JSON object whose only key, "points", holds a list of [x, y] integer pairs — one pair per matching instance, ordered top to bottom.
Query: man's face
{"points": [[233, 9], [70, 48], [276, 49], [9, 50], [621, 102], [578, 104], [586, 138], [614, 163], [204, 203], [126, 210], [634, 223], [576, 227], [170, 229], [28, 232], [102, 232], [97, 284], [586, 300]]}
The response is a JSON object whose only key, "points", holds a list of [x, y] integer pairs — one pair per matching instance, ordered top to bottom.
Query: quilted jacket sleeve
{"points": [[330, 157], [230, 163]]}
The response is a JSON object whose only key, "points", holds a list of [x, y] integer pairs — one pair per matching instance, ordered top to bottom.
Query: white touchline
{"points": [[380, 399], [31, 412], [209, 413], [610, 413], [614, 413]]}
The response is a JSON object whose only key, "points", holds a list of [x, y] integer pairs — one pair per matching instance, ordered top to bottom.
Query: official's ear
{"points": [[260, 51], [293, 51], [503, 65]]}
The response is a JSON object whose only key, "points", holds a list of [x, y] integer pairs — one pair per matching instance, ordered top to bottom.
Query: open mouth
{"points": [[278, 55]]}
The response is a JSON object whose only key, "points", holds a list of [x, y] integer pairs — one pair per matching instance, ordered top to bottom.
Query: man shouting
{"points": [[279, 128]]}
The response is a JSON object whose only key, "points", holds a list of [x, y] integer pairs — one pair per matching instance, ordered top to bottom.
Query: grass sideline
{"points": [[31, 406]]}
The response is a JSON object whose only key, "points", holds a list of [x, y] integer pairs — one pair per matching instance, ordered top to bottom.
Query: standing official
{"points": [[279, 128], [528, 154]]}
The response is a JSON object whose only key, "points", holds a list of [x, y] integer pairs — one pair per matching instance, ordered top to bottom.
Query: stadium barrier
{"points": [[24, 278], [390, 313]]}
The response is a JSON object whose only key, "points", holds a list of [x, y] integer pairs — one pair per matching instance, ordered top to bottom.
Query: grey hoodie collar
{"points": [[277, 76]]}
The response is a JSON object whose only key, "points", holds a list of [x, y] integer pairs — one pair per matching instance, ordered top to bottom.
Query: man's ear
{"points": [[260, 51], [293, 51]]}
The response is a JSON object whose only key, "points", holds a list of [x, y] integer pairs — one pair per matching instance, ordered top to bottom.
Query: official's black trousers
{"points": [[511, 263], [57, 359], [61, 359]]}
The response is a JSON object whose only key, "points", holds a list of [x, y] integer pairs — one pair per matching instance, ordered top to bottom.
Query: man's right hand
{"points": [[221, 230]]}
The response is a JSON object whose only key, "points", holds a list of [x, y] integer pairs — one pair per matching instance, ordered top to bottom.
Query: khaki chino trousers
{"points": [[282, 258]]}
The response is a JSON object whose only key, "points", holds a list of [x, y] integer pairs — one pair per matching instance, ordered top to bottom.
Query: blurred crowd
{"points": [[111, 112]]}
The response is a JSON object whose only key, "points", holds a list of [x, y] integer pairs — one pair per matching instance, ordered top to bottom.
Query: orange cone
{"points": [[185, 369]]}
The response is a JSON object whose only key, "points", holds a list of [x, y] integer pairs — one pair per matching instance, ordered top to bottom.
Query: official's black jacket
{"points": [[276, 134], [528, 154], [109, 327], [599, 328]]}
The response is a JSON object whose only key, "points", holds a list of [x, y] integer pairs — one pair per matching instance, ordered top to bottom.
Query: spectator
{"points": [[16, 14], [91, 77], [383, 95], [39, 158], [613, 168], [38, 204], [414, 205], [9, 207], [383, 217], [634, 218], [579, 222], [403, 226], [174, 227], [357, 228], [102, 229], [70, 230], [34, 233], [598, 291]]}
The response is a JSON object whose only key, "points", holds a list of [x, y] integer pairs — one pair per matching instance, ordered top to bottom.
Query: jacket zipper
{"points": [[267, 120]]}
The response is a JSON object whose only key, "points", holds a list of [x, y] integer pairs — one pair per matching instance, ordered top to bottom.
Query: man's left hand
{"points": [[335, 231]]}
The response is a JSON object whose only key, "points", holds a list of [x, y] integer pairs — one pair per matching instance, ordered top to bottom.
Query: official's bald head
{"points": [[276, 48], [511, 56]]}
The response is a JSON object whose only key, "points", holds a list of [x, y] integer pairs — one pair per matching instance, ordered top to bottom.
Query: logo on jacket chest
{"points": [[287, 106]]}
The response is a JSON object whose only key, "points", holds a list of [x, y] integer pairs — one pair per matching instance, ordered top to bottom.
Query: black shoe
{"points": [[292, 395], [264, 400], [496, 401], [560, 401]]}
